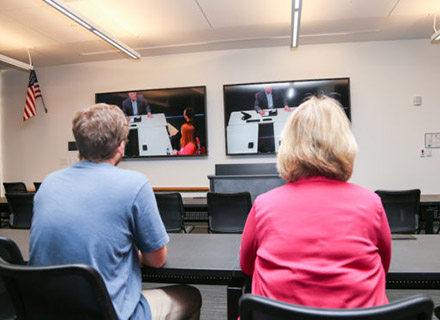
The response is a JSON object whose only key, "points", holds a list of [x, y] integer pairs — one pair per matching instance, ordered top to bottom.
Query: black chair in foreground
{"points": [[15, 187], [21, 208], [402, 209], [171, 211], [227, 212], [9, 252], [71, 291], [252, 307], [437, 312]]}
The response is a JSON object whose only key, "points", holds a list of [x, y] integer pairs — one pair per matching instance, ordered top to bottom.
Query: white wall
{"points": [[384, 78]]}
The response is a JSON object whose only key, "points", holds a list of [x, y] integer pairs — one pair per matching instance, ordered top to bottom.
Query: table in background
{"points": [[429, 203], [196, 209]]}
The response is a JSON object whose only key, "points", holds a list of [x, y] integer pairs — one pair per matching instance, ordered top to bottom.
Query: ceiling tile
{"points": [[345, 9], [246, 12], [142, 18]]}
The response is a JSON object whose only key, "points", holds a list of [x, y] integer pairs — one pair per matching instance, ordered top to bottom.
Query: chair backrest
{"points": [[37, 185], [14, 187], [21, 208], [402, 209], [171, 210], [227, 212], [9, 252], [72, 291], [417, 307]]}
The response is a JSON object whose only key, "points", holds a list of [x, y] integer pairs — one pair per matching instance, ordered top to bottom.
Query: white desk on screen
{"points": [[243, 127], [152, 134]]}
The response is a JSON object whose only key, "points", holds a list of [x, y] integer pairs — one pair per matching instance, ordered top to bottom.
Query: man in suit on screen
{"points": [[269, 99], [136, 105]]}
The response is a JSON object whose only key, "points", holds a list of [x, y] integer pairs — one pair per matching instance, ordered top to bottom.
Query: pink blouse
{"points": [[190, 148], [318, 242]]}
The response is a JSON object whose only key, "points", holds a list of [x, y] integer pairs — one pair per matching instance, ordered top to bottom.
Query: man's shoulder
{"points": [[129, 174]]}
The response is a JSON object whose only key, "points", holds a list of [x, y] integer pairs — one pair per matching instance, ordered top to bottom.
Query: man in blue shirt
{"points": [[136, 105], [98, 214]]}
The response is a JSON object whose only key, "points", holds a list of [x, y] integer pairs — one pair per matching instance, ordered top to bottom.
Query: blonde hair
{"points": [[99, 130], [317, 141]]}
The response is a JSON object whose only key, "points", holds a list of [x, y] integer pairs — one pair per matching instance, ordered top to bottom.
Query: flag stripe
{"points": [[33, 92]]}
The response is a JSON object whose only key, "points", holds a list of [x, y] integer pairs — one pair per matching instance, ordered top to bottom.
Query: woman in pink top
{"points": [[187, 142], [318, 240]]}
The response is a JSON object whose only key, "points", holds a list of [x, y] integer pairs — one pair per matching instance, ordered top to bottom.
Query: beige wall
{"points": [[384, 78]]}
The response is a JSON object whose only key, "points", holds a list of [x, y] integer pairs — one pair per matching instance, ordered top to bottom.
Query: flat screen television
{"points": [[254, 119], [163, 122]]}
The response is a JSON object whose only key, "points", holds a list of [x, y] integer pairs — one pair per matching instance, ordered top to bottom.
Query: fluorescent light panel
{"points": [[69, 12], [296, 18], [436, 36], [16, 63]]}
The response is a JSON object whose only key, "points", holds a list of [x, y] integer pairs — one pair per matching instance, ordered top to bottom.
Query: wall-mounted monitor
{"points": [[255, 113], [163, 122]]}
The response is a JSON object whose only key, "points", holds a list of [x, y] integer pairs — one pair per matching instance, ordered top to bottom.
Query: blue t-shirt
{"points": [[98, 214]]}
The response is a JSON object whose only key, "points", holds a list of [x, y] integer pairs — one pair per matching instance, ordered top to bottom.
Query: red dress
{"points": [[318, 242]]}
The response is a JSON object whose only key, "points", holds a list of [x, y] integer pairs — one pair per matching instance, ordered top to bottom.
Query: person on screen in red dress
{"points": [[187, 142], [318, 240]]}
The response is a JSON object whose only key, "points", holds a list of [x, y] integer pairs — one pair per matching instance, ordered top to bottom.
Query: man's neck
{"points": [[113, 161]]}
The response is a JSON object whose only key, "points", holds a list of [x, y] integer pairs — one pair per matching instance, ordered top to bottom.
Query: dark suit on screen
{"points": [[261, 102], [142, 106]]}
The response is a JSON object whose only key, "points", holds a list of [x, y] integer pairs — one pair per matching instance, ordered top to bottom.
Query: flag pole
{"points": [[30, 62]]}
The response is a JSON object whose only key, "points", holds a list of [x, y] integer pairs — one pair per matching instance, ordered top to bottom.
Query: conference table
{"points": [[192, 258], [214, 259]]}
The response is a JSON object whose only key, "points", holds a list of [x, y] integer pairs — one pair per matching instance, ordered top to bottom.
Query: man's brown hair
{"points": [[99, 130]]}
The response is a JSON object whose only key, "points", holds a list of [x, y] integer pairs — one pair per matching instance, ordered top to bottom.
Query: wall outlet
{"points": [[417, 101], [428, 152]]}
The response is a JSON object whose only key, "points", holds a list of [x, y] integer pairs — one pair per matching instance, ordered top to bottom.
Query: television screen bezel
{"points": [[226, 113], [171, 156]]}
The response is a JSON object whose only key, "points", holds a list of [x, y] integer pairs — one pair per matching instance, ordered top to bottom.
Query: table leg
{"points": [[429, 220], [233, 295]]}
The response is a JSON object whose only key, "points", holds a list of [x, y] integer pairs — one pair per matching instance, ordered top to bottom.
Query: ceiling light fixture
{"points": [[70, 13], [296, 18], [436, 35], [16, 63]]}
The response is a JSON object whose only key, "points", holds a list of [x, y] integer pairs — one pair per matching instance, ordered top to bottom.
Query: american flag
{"points": [[33, 92]]}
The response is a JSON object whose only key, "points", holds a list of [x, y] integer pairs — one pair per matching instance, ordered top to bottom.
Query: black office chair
{"points": [[37, 185], [14, 187], [21, 209], [402, 209], [171, 211], [227, 212], [4, 214], [9, 252], [71, 291], [252, 307], [437, 312]]}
